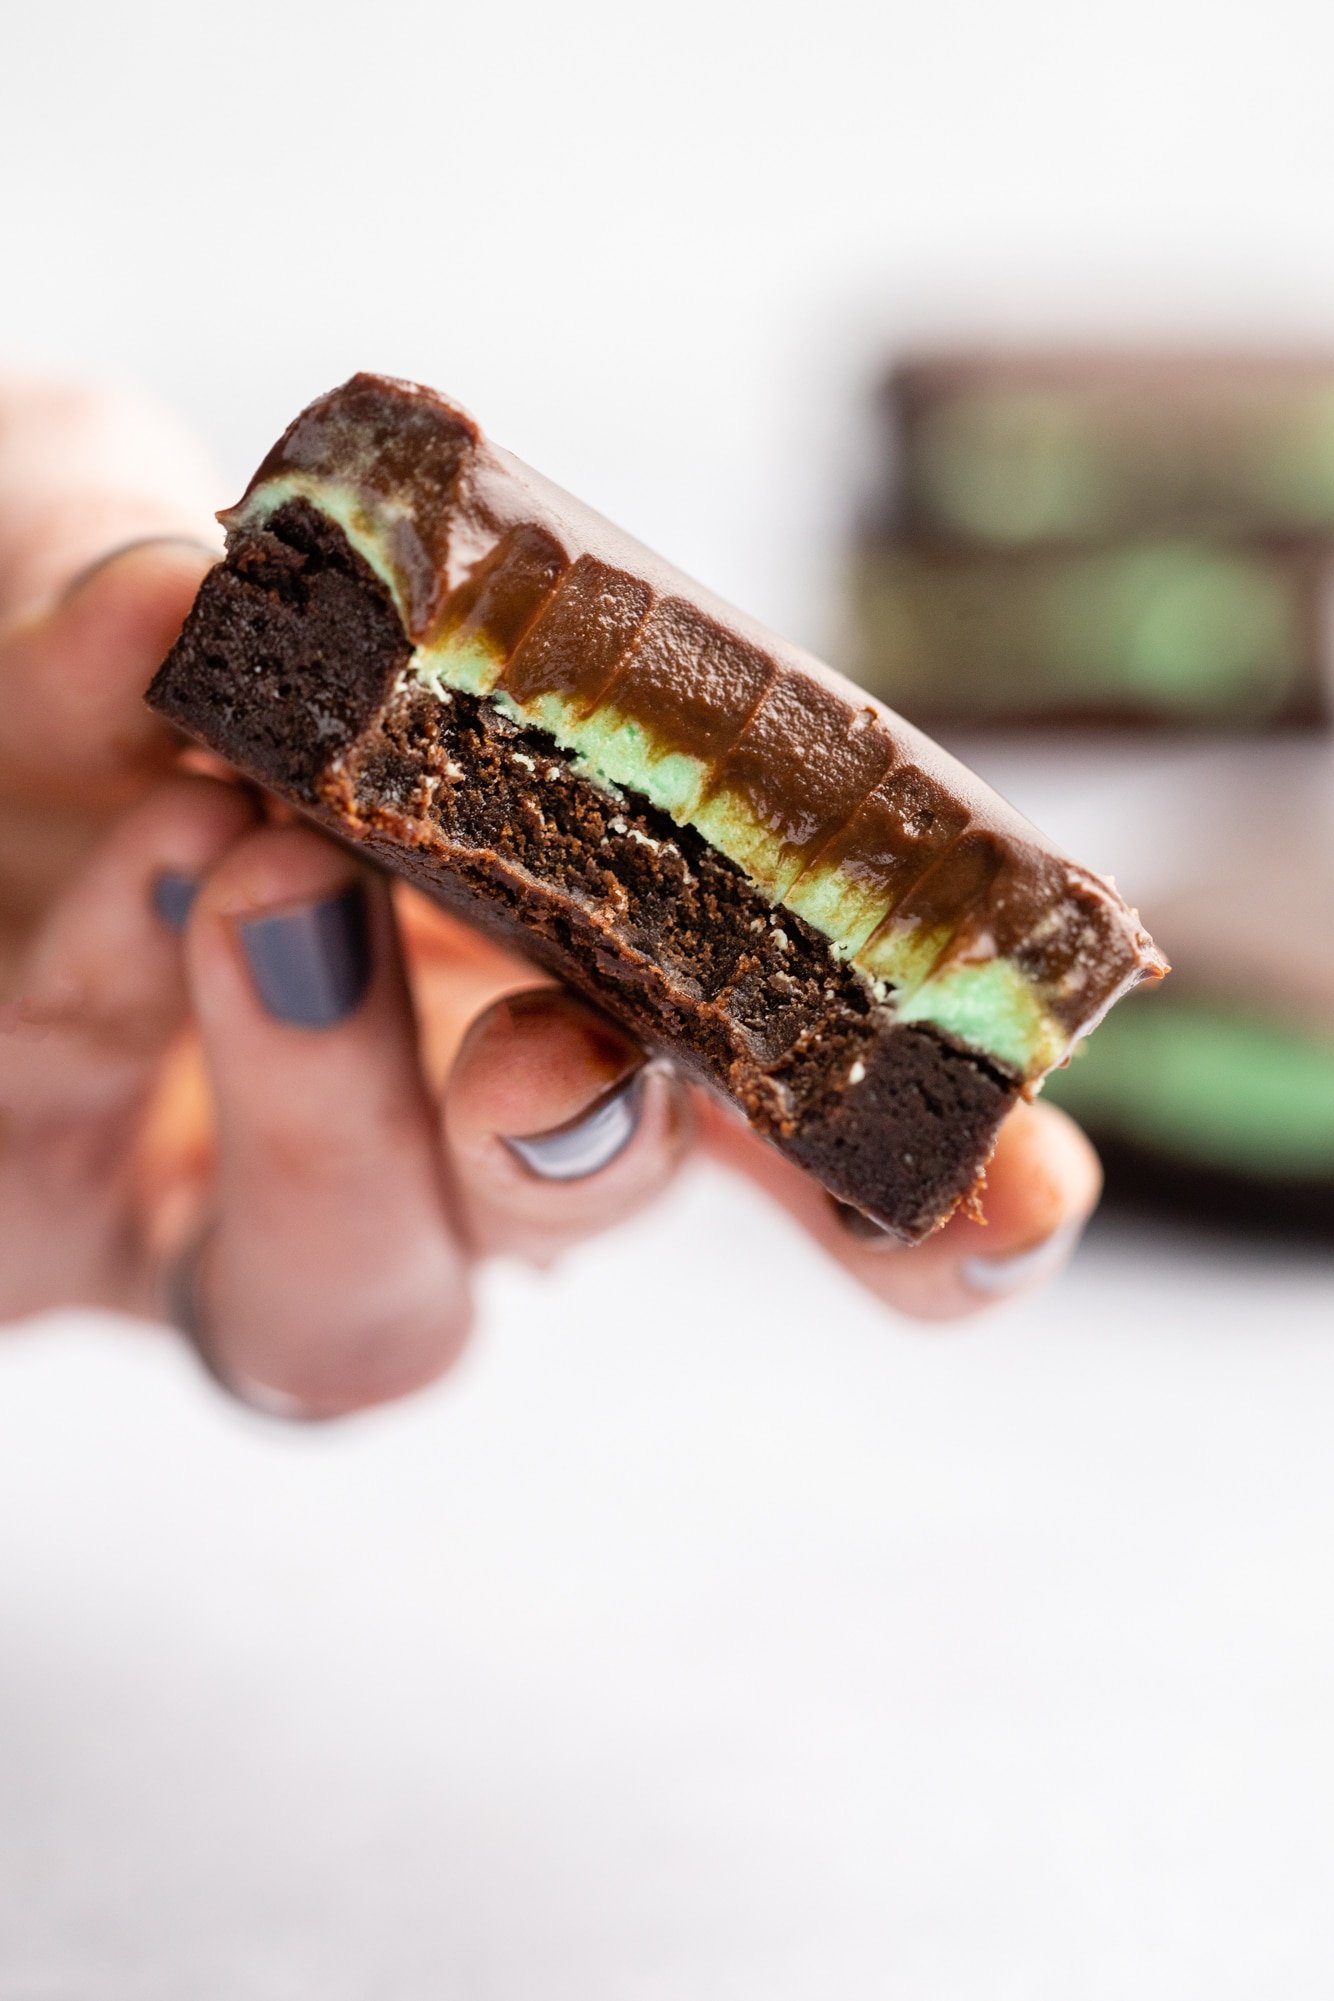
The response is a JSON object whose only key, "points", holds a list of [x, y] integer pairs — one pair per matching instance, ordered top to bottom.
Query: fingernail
{"points": [[100, 563], [173, 896], [311, 966], [589, 1143], [857, 1224], [996, 1276], [182, 1308], [258, 1397]]}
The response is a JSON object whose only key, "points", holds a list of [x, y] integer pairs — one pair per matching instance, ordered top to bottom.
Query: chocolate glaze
{"points": [[483, 548]]}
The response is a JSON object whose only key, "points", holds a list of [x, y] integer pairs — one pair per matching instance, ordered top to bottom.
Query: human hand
{"points": [[294, 1118]]}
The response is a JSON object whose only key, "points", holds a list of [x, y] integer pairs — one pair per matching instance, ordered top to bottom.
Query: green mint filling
{"points": [[831, 902], [988, 1006], [1226, 1089]]}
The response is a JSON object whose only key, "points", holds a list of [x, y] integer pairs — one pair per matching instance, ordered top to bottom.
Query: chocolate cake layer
{"points": [[752, 866]]}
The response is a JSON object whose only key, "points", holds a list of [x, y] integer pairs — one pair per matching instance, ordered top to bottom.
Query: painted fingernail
{"points": [[100, 563], [173, 896], [311, 966], [589, 1143], [864, 1228], [997, 1276]]}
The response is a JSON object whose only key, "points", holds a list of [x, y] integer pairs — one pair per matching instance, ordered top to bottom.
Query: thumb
{"points": [[105, 531], [73, 719]]}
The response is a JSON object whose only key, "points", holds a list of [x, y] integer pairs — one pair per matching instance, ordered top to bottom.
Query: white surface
{"points": [[745, 1649], [752, 1651]]}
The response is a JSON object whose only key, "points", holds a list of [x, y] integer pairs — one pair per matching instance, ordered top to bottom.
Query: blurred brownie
{"points": [[1023, 449], [1138, 539], [1172, 634], [1218, 1103]]}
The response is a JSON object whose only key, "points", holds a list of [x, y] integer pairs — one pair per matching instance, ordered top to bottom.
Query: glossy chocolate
{"points": [[481, 552]]}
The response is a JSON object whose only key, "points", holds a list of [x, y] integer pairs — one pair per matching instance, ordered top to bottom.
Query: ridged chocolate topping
{"points": [[482, 551]]}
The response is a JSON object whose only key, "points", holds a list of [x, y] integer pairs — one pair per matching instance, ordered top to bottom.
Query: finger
{"points": [[84, 468], [105, 530], [74, 730], [76, 740], [456, 972], [101, 991], [98, 1003], [556, 1125], [1042, 1186], [332, 1277]]}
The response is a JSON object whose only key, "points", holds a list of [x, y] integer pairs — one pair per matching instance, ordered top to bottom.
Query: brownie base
{"points": [[291, 666]]}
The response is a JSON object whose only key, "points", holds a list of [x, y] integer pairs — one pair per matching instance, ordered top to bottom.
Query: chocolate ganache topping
{"points": [[955, 909]]}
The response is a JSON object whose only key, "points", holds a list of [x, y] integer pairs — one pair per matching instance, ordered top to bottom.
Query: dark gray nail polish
{"points": [[90, 570], [173, 896], [312, 966], [589, 1143], [858, 1225]]}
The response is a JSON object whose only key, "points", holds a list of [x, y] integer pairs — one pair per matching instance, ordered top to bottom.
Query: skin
{"points": [[340, 1183]]}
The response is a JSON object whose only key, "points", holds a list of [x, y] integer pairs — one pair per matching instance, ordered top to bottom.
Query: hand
{"points": [[247, 1085]]}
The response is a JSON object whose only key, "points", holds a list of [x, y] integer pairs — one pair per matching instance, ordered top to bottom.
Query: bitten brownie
{"points": [[752, 866]]}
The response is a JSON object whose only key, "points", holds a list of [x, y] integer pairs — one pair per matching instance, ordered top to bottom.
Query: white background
{"points": [[710, 1635]]}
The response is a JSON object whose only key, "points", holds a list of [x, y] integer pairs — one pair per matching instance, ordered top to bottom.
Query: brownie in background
{"points": [[1118, 538]]}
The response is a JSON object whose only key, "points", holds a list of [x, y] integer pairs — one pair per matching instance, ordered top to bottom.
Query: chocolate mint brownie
{"points": [[753, 867]]}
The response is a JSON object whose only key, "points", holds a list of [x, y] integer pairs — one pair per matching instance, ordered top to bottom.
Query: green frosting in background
{"points": [[1015, 466], [1176, 629], [1229, 1090]]}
